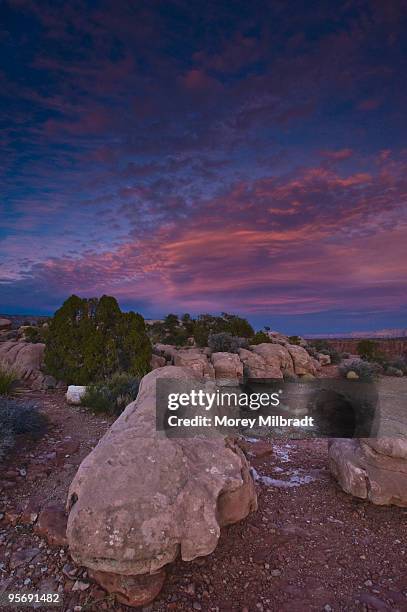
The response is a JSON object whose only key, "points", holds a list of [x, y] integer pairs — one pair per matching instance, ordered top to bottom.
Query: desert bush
{"points": [[206, 325], [175, 330], [35, 334], [259, 337], [88, 340], [294, 340], [223, 342], [323, 347], [368, 349], [312, 351], [333, 353], [400, 363], [364, 369], [392, 371], [8, 378], [113, 395], [17, 418]]}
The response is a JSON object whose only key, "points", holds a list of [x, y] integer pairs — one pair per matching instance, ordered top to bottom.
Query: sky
{"points": [[189, 156]]}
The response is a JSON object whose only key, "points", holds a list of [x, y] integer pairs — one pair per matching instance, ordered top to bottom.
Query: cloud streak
{"points": [[245, 158]]}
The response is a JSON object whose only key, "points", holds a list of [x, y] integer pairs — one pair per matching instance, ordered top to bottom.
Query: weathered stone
{"points": [[5, 324], [278, 338], [166, 350], [276, 357], [24, 358], [324, 360], [196, 361], [157, 362], [303, 363], [255, 366], [228, 368], [75, 394], [258, 449], [373, 469], [140, 499], [51, 524], [23, 557], [133, 591]]}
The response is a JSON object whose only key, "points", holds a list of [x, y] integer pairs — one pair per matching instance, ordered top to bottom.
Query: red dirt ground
{"points": [[308, 547]]}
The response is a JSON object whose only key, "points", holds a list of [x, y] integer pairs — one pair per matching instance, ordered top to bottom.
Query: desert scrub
{"points": [[35, 334], [259, 338], [90, 339], [224, 342], [323, 347], [400, 363], [364, 369], [392, 371], [8, 378], [112, 395], [16, 418]]}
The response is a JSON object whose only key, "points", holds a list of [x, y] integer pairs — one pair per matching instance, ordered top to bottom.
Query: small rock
{"points": [[51, 525], [80, 586]]}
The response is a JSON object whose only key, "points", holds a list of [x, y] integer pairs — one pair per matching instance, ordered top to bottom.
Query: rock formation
{"points": [[5, 324], [25, 359], [267, 360], [372, 469], [141, 499]]}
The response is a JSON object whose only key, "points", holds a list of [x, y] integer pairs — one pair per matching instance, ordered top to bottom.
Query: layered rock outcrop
{"points": [[25, 359], [266, 360], [372, 469], [375, 469], [141, 499]]}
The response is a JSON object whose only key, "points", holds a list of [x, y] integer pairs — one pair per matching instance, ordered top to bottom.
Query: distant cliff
{"points": [[390, 347]]}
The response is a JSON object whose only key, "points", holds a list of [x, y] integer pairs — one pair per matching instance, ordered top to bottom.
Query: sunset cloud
{"points": [[250, 160]]}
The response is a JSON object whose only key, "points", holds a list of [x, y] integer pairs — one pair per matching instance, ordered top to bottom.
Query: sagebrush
{"points": [[364, 369], [8, 378], [112, 395], [16, 418]]}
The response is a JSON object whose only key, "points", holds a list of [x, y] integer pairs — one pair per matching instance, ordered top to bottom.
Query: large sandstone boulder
{"points": [[278, 338], [166, 350], [276, 357], [25, 359], [196, 361], [157, 362], [303, 362], [255, 366], [228, 368], [372, 469], [142, 499]]}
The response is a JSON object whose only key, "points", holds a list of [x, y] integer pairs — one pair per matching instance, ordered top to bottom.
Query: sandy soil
{"points": [[309, 547]]}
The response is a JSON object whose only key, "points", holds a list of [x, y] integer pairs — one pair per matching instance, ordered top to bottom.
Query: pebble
{"points": [[80, 586]]}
